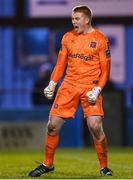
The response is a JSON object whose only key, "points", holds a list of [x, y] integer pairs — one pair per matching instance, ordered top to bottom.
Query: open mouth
{"points": [[76, 27]]}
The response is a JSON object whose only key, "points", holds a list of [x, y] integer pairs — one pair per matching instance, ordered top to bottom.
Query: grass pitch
{"points": [[69, 164]]}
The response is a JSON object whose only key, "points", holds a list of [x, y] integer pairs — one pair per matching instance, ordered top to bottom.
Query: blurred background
{"points": [[30, 35]]}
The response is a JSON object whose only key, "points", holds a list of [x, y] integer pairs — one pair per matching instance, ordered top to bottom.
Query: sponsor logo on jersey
{"points": [[93, 45], [80, 56]]}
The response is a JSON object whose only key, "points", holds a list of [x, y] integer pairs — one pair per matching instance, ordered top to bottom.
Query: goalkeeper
{"points": [[85, 52]]}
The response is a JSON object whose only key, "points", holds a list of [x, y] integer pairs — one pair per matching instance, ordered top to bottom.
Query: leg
{"points": [[65, 105], [94, 116], [95, 126], [53, 127], [52, 139]]}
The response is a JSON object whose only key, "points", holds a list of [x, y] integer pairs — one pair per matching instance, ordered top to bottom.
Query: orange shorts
{"points": [[68, 98]]}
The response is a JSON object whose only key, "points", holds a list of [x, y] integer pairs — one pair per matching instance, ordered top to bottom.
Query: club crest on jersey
{"points": [[93, 44]]}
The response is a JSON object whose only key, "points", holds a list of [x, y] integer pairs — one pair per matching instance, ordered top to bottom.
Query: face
{"points": [[80, 22]]}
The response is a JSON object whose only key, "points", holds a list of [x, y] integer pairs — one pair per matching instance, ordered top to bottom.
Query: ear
{"points": [[87, 20]]}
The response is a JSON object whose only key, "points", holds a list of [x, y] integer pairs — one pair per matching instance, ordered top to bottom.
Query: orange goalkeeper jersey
{"points": [[87, 57]]}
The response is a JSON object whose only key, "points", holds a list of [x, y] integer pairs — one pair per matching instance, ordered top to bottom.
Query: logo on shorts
{"points": [[93, 44], [55, 106]]}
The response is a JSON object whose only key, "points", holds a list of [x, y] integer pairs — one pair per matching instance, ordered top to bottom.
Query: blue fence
{"points": [[7, 8], [70, 134]]}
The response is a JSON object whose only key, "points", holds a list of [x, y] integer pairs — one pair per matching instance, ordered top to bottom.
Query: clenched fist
{"points": [[49, 90], [93, 94]]}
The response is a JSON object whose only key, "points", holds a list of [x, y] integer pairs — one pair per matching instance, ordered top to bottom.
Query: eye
{"points": [[77, 18]]}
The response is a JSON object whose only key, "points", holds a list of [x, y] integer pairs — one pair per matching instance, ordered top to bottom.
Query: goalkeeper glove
{"points": [[49, 90], [93, 94]]}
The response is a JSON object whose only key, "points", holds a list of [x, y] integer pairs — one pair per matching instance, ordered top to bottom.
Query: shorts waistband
{"points": [[94, 82]]}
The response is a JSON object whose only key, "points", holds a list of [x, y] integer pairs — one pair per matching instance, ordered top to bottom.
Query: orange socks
{"points": [[52, 142], [50, 147], [102, 149]]}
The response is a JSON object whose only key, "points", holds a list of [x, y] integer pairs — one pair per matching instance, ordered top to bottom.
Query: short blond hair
{"points": [[84, 9]]}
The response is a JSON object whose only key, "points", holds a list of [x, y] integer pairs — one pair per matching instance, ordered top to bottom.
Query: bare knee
{"points": [[93, 124], [54, 125], [51, 129], [96, 129], [97, 132]]}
